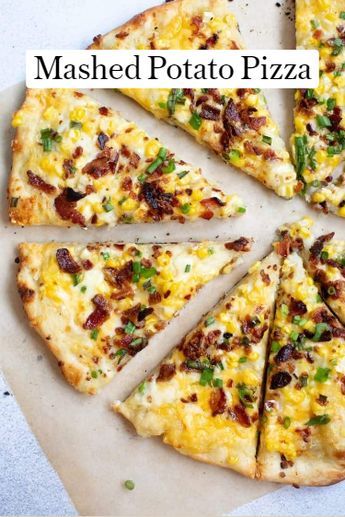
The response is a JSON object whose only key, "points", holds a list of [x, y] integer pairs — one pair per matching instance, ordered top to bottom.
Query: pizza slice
{"points": [[236, 124], [319, 139], [76, 162], [98, 305], [204, 398], [302, 437]]}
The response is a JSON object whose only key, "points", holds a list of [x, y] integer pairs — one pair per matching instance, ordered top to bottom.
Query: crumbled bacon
{"points": [[196, 22], [121, 35], [103, 110], [209, 112], [232, 121], [78, 151], [104, 163], [68, 167], [39, 183], [126, 184], [160, 202], [211, 203], [66, 208], [241, 244], [318, 245], [66, 262], [87, 264], [265, 277], [120, 278], [155, 298], [297, 307], [100, 314], [212, 337], [193, 347], [284, 354], [166, 372], [280, 380], [217, 401], [239, 414], [304, 434]]}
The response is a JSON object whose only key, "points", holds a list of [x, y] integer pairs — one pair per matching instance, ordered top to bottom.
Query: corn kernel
{"points": [[51, 114], [78, 114], [17, 119], [152, 148], [197, 195], [318, 197], [129, 205], [341, 211], [202, 253]]}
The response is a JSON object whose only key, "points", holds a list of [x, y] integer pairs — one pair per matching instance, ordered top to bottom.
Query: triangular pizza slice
{"points": [[236, 124], [319, 139], [76, 162], [98, 305], [204, 398], [302, 433]]}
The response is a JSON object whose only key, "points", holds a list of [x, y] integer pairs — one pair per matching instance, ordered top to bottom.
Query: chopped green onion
{"points": [[342, 15], [314, 24], [175, 97], [331, 104], [162, 105], [195, 121], [323, 121], [75, 124], [267, 139], [300, 151], [234, 155], [169, 168], [182, 174], [142, 178], [14, 202], [108, 206], [185, 208], [241, 210], [105, 255], [324, 255], [187, 268], [148, 272], [76, 279], [83, 288], [331, 290], [285, 309], [209, 321], [130, 328], [319, 330], [94, 334], [294, 335], [136, 342], [275, 347], [120, 353], [243, 359], [94, 374], [322, 374], [206, 376], [217, 383], [142, 387], [319, 420], [286, 422], [129, 484]]}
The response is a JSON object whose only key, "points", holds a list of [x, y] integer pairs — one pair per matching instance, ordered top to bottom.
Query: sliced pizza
{"points": [[236, 124], [319, 139], [76, 162], [98, 305], [204, 398], [302, 437]]}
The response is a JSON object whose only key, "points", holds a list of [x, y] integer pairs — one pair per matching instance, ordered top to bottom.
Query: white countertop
{"points": [[28, 484]]}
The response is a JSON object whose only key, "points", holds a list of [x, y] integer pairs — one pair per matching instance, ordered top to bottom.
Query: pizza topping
{"points": [[209, 112], [232, 120], [48, 136], [102, 139], [104, 163], [69, 168], [39, 183], [160, 202], [67, 208], [241, 244], [317, 247], [66, 261], [26, 294], [297, 307], [100, 314], [193, 348], [284, 354], [166, 372], [280, 380], [217, 401], [239, 414]]}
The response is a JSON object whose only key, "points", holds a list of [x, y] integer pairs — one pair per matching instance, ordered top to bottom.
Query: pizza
{"points": [[236, 124], [319, 139], [76, 162], [98, 305], [204, 398], [302, 437]]}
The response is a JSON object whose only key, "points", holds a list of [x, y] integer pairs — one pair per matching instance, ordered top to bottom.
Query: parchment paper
{"points": [[92, 449]]}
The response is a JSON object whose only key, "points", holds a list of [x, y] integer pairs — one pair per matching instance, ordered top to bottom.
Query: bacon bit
{"points": [[197, 22], [317, 34], [122, 35], [210, 42], [330, 66], [103, 110], [209, 112], [231, 121], [256, 122], [102, 139], [78, 151], [134, 160], [104, 163], [68, 167], [39, 183], [127, 184], [160, 202], [212, 203], [66, 208], [207, 214], [241, 244], [318, 245], [156, 251], [66, 262], [87, 264], [265, 277], [120, 278], [123, 292], [26, 294], [155, 298], [297, 307], [143, 313], [131, 314], [99, 315], [338, 332], [212, 337], [194, 347], [284, 354], [166, 372], [280, 380], [342, 385], [192, 398], [322, 400], [217, 401], [239, 414], [304, 433], [284, 464]]}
